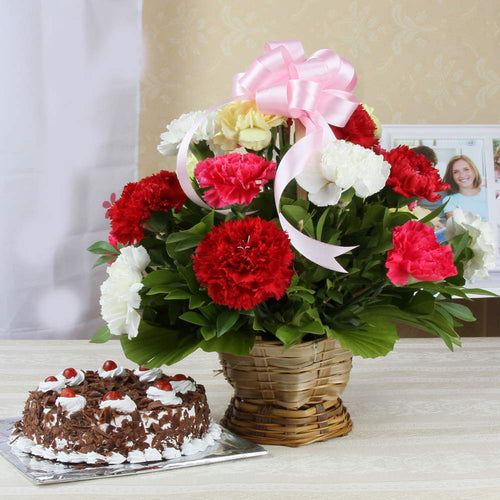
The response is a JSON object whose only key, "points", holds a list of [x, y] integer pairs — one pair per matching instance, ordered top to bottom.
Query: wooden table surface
{"points": [[426, 426]]}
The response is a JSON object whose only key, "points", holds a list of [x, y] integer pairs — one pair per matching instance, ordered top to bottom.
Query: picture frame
{"points": [[478, 143]]}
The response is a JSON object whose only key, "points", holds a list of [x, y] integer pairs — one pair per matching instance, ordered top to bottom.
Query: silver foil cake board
{"points": [[41, 471]]}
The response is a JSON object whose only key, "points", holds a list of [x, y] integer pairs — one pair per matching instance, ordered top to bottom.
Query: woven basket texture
{"points": [[307, 373], [288, 397], [268, 424]]}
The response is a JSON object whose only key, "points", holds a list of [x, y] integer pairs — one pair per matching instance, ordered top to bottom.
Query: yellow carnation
{"points": [[376, 121], [241, 123]]}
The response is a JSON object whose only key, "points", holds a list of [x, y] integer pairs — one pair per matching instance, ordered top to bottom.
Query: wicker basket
{"points": [[288, 397]]}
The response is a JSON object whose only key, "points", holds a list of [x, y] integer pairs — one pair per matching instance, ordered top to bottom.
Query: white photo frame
{"points": [[481, 143]]}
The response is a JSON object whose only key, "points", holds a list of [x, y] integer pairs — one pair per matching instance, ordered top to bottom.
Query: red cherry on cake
{"points": [[109, 365], [143, 369], [69, 373], [179, 377], [50, 379], [163, 385], [68, 393], [112, 395]]}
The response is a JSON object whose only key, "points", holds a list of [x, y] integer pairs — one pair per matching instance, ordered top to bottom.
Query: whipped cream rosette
{"points": [[110, 369], [148, 374], [73, 377]]}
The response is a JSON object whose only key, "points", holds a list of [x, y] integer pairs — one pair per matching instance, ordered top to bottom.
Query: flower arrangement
{"points": [[285, 220]]}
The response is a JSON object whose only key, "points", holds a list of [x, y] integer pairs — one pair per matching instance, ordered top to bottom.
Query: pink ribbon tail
{"points": [[292, 164]]}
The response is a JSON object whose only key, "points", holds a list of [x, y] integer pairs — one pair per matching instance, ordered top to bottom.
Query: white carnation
{"points": [[178, 128], [341, 166], [482, 245], [120, 297]]}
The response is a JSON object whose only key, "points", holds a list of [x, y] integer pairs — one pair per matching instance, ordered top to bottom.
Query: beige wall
{"points": [[418, 61]]}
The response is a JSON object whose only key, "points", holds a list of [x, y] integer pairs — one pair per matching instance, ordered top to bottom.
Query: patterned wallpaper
{"points": [[418, 61], [426, 61]]}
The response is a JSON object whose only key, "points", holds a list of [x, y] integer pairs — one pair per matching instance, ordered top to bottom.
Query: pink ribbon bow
{"points": [[313, 90], [316, 91]]}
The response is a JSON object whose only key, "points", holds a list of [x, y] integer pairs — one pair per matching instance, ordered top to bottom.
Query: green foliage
{"points": [[102, 247], [106, 251], [360, 308], [102, 335], [155, 346]]}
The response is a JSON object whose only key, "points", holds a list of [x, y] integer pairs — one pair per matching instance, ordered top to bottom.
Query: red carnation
{"points": [[359, 129], [412, 174], [233, 178], [160, 191], [418, 255], [244, 262]]}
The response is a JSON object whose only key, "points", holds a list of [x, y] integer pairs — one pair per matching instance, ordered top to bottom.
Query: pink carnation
{"points": [[233, 178], [418, 255]]}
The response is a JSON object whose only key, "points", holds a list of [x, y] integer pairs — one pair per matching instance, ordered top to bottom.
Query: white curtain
{"points": [[68, 138]]}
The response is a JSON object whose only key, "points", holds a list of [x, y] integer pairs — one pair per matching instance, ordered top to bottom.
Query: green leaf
{"points": [[201, 151], [347, 196], [294, 213], [435, 213], [374, 214], [299, 216], [157, 223], [321, 223], [204, 226], [184, 241], [459, 244], [180, 245], [102, 247], [103, 260], [188, 274], [160, 277], [441, 287], [297, 288], [155, 290], [480, 291], [178, 295], [306, 297], [195, 301], [422, 303], [458, 310], [210, 312], [195, 318], [226, 320], [439, 325], [257, 326], [315, 327], [208, 332], [289, 334], [102, 335], [373, 339], [240, 342], [155, 346]]}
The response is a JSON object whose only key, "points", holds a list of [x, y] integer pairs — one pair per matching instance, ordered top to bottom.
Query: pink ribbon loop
{"points": [[282, 82]]}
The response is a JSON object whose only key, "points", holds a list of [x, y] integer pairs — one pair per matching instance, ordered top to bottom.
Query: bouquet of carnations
{"points": [[284, 220]]}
